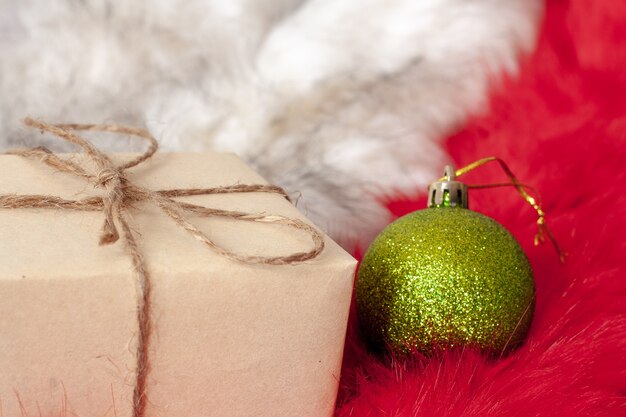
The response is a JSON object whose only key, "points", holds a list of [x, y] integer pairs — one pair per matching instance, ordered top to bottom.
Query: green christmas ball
{"points": [[445, 277]]}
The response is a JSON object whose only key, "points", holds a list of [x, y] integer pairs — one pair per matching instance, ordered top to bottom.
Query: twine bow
{"points": [[121, 194]]}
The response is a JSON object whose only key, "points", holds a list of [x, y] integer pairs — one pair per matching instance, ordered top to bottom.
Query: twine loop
{"points": [[121, 193]]}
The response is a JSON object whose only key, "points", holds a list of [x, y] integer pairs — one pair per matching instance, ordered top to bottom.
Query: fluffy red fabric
{"points": [[562, 128]]}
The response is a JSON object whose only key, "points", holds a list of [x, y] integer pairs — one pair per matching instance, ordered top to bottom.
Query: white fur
{"points": [[341, 102]]}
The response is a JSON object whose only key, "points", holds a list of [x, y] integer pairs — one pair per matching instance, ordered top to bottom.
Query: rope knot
{"points": [[107, 176]]}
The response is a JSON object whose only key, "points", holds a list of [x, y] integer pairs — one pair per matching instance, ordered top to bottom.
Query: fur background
{"points": [[321, 97], [350, 103], [562, 128]]}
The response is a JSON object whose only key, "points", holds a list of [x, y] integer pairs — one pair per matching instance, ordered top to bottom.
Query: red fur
{"points": [[562, 128]]}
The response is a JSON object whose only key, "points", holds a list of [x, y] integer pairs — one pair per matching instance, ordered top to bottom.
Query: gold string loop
{"points": [[528, 193]]}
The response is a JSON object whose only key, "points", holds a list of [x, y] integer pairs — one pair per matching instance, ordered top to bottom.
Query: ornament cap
{"points": [[447, 191]]}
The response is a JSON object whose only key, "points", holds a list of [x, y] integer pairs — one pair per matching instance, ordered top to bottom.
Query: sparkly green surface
{"points": [[445, 277]]}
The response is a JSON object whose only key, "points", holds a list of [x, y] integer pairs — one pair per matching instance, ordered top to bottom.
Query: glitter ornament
{"points": [[446, 277]]}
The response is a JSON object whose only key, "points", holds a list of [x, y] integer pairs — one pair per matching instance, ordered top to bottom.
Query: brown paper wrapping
{"points": [[230, 339]]}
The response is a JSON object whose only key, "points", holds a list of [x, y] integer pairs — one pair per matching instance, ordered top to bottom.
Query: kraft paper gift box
{"points": [[228, 338]]}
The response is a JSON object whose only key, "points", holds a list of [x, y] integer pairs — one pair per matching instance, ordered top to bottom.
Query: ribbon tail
{"points": [[227, 189], [12, 201], [109, 230], [144, 317]]}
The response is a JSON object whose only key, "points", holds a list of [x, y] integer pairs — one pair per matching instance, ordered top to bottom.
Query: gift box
{"points": [[227, 337]]}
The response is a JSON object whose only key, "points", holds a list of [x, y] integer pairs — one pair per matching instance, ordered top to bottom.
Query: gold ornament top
{"points": [[448, 192]]}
